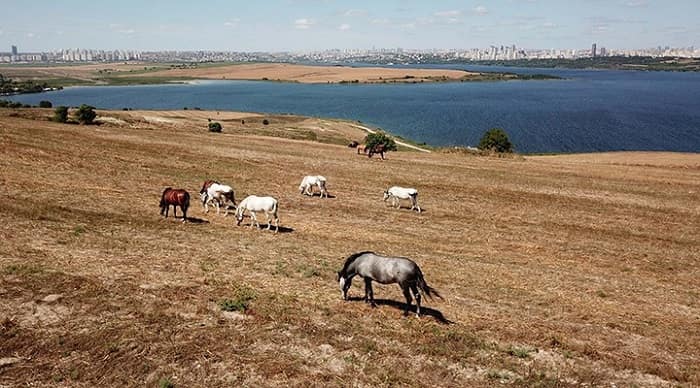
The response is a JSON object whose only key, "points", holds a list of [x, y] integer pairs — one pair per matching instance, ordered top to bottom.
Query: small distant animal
{"points": [[353, 144], [361, 149], [377, 149], [308, 183], [397, 193], [218, 194], [174, 197], [255, 204], [385, 270]]}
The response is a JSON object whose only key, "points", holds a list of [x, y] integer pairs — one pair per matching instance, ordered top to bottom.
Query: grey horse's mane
{"points": [[351, 259]]}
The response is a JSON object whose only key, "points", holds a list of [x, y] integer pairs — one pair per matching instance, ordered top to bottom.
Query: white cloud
{"points": [[637, 3], [481, 10], [355, 12], [448, 14], [381, 21], [232, 23], [303, 24], [344, 27], [127, 31], [30, 35]]}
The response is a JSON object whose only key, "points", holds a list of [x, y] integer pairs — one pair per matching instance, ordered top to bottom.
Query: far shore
{"points": [[149, 73]]}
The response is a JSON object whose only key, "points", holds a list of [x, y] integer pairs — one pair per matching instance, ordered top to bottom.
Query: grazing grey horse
{"points": [[385, 270]]}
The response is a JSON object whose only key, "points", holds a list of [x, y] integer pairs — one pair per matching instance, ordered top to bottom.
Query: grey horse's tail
{"points": [[427, 290]]}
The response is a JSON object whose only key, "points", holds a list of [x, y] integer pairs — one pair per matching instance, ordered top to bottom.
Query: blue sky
{"points": [[291, 25]]}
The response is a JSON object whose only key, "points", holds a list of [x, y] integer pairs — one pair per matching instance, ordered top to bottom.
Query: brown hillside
{"points": [[556, 271]]}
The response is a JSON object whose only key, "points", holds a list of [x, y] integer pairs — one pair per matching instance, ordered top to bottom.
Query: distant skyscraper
{"points": [[14, 50], [593, 50]]}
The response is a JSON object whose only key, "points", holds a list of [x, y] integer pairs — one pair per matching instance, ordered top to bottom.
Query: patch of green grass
{"points": [[78, 230], [22, 269], [239, 302], [519, 352], [165, 382]]}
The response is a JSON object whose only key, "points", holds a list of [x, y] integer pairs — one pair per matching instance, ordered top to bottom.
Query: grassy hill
{"points": [[556, 270]]}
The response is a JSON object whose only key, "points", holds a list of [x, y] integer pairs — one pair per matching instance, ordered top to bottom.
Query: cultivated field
{"points": [[134, 73], [576, 270]]}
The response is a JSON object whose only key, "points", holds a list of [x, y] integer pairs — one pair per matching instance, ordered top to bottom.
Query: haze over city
{"points": [[304, 25]]}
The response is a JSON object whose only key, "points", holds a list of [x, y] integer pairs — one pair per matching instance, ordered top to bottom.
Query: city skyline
{"points": [[310, 25]]}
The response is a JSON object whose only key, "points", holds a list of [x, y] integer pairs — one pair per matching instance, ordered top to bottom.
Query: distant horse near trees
{"points": [[377, 149], [174, 197], [385, 270]]}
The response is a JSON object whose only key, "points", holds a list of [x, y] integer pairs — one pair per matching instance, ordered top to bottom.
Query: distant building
{"points": [[14, 50], [594, 52]]}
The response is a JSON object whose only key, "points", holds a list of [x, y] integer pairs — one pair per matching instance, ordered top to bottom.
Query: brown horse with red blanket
{"points": [[175, 197]]}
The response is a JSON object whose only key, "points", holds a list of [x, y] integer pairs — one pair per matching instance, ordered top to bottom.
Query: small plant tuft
{"points": [[45, 104], [60, 114], [85, 114], [266, 122], [214, 127], [240, 302], [165, 383]]}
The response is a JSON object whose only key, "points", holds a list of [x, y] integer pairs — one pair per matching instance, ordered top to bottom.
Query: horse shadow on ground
{"points": [[331, 196], [403, 208], [195, 220], [282, 229], [402, 306]]}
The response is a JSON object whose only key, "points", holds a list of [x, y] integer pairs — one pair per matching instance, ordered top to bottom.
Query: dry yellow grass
{"points": [[256, 71], [314, 74], [557, 271]]}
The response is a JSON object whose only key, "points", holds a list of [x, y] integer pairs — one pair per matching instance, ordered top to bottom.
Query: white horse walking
{"points": [[309, 181], [397, 193], [218, 194], [253, 204]]}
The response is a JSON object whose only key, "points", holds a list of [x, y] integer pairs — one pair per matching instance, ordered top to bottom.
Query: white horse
{"points": [[309, 181], [397, 193], [218, 194], [254, 204]]}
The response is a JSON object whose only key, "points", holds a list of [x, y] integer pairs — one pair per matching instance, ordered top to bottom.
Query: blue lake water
{"points": [[591, 110]]}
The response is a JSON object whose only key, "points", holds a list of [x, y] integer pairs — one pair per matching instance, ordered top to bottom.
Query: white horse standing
{"points": [[309, 181], [397, 193], [218, 194], [254, 204]]}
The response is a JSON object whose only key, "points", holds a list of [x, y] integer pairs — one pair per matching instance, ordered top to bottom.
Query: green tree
{"points": [[45, 104], [60, 114], [85, 114], [214, 127], [373, 139], [496, 139]]}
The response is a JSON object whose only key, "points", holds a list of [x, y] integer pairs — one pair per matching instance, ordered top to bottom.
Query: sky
{"points": [[307, 25]]}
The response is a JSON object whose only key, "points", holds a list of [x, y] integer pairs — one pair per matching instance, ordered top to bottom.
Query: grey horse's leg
{"points": [[254, 220], [369, 293], [416, 293], [407, 294]]}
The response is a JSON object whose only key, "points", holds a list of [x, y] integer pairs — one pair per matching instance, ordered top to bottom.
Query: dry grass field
{"points": [[136, 72], [573, 270]]}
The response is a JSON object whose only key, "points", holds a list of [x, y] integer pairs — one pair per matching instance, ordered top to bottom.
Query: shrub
{"points": [[45, 104], [60, 114], [85, 114], [266, 122], [214, 127], [374, 139], [496, 139], [240, 301]]}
